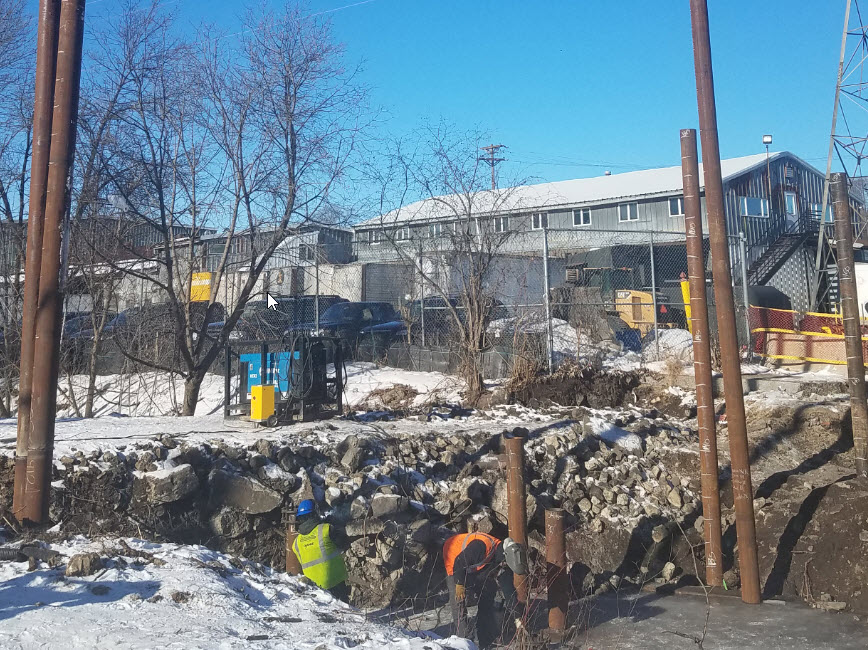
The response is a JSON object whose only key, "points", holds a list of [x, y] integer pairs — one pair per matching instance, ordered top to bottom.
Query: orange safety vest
{"points": [[457, 543]]}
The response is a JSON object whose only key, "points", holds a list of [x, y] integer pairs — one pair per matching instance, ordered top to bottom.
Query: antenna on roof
{"points": [[492, 160]]}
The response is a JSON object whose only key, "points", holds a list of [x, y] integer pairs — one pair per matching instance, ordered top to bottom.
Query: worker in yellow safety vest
{"points": [[319, 548]]}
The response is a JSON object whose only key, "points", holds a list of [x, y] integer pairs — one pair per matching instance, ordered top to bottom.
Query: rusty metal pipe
{"points": [[43, 106], [723, 294], [852, 322], [702, 359], [40, 446], [516, 497], [293, 566], [556, 570]]}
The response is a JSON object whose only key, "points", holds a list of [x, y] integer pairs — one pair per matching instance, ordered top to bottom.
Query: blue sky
{"points": [[577, 87]]}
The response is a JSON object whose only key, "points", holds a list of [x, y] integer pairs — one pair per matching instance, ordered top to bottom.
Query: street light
{"points": [[767, 140]]}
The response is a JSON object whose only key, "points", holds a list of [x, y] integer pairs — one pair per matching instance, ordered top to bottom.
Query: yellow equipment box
{"points": [[261, 402]]}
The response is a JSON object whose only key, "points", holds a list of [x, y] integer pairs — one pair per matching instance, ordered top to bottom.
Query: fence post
{"points": [[742, 241], [316, 288], [421, 293], [654, 296], [852, 324], [550, 345]]}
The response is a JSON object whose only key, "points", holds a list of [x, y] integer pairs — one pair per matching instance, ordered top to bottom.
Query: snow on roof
{"points": [[598, 189]]}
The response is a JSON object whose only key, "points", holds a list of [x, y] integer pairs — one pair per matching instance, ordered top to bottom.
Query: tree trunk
{"points": [[91, 383], [192, 386]]}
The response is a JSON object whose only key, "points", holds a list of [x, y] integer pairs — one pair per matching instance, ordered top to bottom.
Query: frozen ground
{"points": [[158, 393], [182, 597]]}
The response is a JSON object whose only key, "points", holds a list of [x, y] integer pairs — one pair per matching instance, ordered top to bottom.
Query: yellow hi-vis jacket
{"points": [[320, 559]]}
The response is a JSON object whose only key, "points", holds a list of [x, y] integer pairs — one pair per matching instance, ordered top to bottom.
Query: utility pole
{"points": [[46, 59], [492, 150], [722, 273], [852, 322], [702, 360], [40, 445]]}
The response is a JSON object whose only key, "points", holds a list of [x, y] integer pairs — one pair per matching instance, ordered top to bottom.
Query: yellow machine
{"points": [[636, 308], [261, 402]]}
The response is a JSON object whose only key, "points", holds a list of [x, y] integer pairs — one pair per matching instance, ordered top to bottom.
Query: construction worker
{"points": [[319, 548], [480, 565]]}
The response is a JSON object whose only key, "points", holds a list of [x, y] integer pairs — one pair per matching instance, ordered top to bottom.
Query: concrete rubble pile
{"points": [[394, 493]]}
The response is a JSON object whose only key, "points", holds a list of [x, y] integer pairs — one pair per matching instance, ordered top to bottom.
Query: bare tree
{"points": [[16, 117], [244, 137], [453, 236]]}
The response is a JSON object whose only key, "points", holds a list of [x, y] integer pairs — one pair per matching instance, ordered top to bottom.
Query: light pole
{"points": [[767, 140]]}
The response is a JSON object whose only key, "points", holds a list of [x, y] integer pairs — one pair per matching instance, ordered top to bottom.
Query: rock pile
{"points": [[397, 495]]}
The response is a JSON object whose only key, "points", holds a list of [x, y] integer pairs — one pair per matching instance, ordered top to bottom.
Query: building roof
{"points": [[582, 191]]}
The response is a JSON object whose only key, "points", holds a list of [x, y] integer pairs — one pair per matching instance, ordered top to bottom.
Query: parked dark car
{"points": [[347, 320], [148, 321], [257, 322]]}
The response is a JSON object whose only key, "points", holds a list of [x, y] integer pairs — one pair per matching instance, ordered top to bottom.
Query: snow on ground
{"points": [[673, 343], [363, 378], [603, 428], [186, 597]]}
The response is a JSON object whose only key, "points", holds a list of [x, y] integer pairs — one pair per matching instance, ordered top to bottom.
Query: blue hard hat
{"points": [[305, 508]]}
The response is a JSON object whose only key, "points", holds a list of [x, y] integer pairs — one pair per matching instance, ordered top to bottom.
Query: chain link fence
{"points": [[533, 301]]}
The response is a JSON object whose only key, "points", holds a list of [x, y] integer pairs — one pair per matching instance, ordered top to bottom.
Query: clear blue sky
{"points": [[574, 87]]}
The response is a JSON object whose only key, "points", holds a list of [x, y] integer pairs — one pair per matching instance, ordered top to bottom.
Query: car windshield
{"points": [[344, 312]]}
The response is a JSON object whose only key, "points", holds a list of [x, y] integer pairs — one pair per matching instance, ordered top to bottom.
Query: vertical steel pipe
{"points": [[43, 107], [723, 293], [852, 324], [46, 357], [702, 359], [516, 496], [293, 566], [556, 570]]}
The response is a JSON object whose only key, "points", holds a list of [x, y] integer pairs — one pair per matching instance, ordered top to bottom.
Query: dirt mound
{"points": [[578, 386], [394, 398]]}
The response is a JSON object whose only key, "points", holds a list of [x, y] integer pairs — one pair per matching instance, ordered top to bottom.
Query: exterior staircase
{"points": [[774, 257]]}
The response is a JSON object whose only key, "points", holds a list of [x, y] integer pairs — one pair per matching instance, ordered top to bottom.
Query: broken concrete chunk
{"points": [[166, 485], [242, 493], [84, 564]]}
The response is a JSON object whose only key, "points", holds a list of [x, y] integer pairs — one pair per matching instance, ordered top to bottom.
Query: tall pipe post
{"points": [[43, 107], [722, 274], [654, 296], [852, 323], [46, 357], [702, 359], [516, 497], [293, 566], [557, 580]]}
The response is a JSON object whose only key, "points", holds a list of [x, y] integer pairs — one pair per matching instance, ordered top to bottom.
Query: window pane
{"points": [[791, 203], [674, 207], [623, 213]]}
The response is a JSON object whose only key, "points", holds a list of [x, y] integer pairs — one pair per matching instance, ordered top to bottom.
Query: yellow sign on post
{"points": [[200, 287]]}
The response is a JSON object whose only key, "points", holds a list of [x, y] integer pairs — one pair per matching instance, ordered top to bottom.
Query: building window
{"points": [[792, 202], [749, 206], [676, 207], [628, 212], [582, 217], [539, 220], [501, 224], [435, 230], [402, 233], [377, 236], [306, 253]]}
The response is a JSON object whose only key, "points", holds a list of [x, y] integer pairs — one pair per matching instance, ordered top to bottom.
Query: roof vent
{"points": [[608, 173]]}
